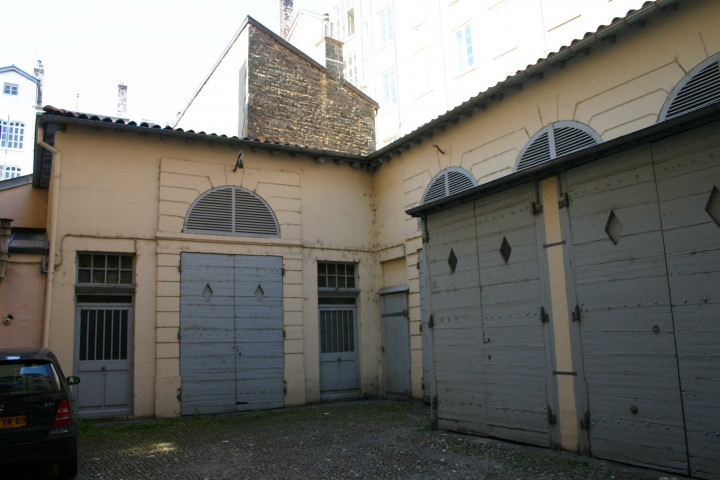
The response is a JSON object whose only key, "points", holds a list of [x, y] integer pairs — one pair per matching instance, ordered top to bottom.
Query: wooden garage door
{"points": [[626, 324], [231, 333]]}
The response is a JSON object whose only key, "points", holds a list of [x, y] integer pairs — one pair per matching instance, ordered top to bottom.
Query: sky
{"points": [[161, 49]]}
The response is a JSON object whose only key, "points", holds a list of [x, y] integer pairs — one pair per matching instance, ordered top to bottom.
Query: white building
{"points": [[421, 58], [19, 103]]}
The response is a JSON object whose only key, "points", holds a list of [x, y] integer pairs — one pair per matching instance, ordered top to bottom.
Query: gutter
{"points": [[55, 189]]}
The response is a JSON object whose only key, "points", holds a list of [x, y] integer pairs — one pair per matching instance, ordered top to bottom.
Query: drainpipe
{"points": [[55, 192]]}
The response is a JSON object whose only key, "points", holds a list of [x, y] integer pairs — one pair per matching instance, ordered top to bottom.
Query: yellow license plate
{"points": [[13, 422]]}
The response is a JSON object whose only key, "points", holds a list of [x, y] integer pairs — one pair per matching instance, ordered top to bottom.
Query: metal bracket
{"points": [[564, 201], [537, 208], [576, 314], [544, 317], [431, 322], [179, 335], [179, 395], [551, 417], [585, 421]]}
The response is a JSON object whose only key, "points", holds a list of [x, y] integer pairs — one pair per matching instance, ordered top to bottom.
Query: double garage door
{"points": [[641, 253], [231, 333]]}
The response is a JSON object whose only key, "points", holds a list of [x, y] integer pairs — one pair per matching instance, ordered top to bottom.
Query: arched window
{"points": [[697, 89], [556, 140], [448, 182], [231, 211]]}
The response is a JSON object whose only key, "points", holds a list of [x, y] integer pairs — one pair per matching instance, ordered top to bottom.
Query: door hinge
{"points": [[564, 201], [537, 208], [180, 265], [283, 271], [576, 314], [544, 317], [431, 322], [284, 333], [179, 335], [179, 395], [551, 417], [585, 421]]}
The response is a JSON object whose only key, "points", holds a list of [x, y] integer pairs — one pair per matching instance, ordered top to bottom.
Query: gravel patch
{"points": [[367, 440]]}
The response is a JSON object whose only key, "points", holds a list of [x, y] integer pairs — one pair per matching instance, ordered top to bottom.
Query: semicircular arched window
{"points": [[697, 89], [556, 140], [450, 181], [231, 211]]}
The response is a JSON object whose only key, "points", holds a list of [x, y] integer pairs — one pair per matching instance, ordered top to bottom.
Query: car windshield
{"points": [[30, 377]]}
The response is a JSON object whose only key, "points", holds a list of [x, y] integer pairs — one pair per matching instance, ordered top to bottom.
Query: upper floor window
{"points": [[344, 25], [386, 26], [463, 38], [350, 73], [389, 87], [10, 89], [11, 134], [9, 171], [105, 268]]}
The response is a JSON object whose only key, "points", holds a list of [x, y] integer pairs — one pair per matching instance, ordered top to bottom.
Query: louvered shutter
{"points": [[699, 88], [556, 140], [448, 182], [231, 211]]}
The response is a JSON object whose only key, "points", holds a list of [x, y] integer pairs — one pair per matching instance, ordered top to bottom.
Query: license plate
{"points": [[13, 422]]}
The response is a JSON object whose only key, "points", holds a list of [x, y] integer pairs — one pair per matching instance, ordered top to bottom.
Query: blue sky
{"points": [[161, 49]]}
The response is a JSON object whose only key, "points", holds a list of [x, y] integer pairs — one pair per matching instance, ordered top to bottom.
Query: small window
{"points": [[343, 25], [386, 26], [463, 39], [350, 73], [389, 87], [699, 88], [10, 89], [12, 134], [556, 140], [9, 171], [448, 182], [231, 211], [110, 269], [336, 275]]}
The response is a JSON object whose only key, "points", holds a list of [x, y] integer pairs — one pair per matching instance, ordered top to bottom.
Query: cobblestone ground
{"points": [[368, 440]]}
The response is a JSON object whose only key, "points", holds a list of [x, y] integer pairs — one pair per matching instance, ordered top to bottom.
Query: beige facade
{"points": [[126, 189]]}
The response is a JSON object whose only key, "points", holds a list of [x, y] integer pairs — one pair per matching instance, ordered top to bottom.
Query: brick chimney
{"points": [[285, 11], [334, 57], [39, 74], [122, 100]]}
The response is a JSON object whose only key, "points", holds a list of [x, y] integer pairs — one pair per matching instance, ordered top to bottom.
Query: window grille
{"points": [[699, 88], [12, 134], [556, 140], [448, 182], [231, 211], [105, 269], [337, 330], [104, 334]]}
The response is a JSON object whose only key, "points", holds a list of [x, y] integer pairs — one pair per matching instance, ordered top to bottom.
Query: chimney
{"points": [[285, 10], [334, 57], [39, 74], [122, 100], [4, 240]]}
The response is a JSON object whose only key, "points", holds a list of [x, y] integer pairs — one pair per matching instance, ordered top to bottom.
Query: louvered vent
{"points": [[699, 88], [556, 140], [448, 182], [231, 211]]}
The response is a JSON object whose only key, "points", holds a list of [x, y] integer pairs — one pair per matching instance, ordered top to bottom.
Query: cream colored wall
{"points": [[616, 90], [217, 106], [25, 205]]}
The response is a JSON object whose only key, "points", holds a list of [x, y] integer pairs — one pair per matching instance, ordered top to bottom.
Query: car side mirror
{"points": [[73, 380]]}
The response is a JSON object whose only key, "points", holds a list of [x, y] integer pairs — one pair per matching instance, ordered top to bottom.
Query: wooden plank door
{"points": [[395, 346]]}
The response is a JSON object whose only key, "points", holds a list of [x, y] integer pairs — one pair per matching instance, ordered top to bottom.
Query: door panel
{"points": [[395, 335], [339, 376]]}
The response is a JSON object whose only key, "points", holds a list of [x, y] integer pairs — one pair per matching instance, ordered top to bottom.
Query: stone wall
{"points": [[293, 100]]}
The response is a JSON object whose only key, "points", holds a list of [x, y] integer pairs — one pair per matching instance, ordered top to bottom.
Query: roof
{"points": [[251, 21], [578, 48], [13, 68], [683, 123], [15, 182], [29, 240]]}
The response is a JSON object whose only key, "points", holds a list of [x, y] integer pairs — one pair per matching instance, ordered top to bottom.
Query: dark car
{"points": [[37, 423]]}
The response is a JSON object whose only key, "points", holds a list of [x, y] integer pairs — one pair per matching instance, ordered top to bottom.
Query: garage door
{"points": [[231, 333]]}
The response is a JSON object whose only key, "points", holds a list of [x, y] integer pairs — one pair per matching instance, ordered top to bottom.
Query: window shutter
{"points": [[699, 88], [556, 140], [536, 152], [448, 182], [231, 211]]}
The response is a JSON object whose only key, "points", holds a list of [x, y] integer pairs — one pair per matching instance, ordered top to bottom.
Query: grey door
{"points": [[688, 182], [626, 323], [424, 328], [231, 333], [395, 346], [338, 352], [104, 360]]}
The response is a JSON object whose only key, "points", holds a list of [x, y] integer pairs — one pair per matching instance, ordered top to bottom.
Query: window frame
{"points": [[386, 25], [464, 47], [389, 82], [11, 89], [12, 134], [105, 268]]}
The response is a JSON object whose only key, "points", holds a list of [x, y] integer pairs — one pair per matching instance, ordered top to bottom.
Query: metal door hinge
{"points": [[564, 201], [537, 208], [180, 265], [283, 271], [576, 314], [544, 317], [431, 322], [284, 334], [179, 335], [179, 395], [551, 417], [585, 421]]}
